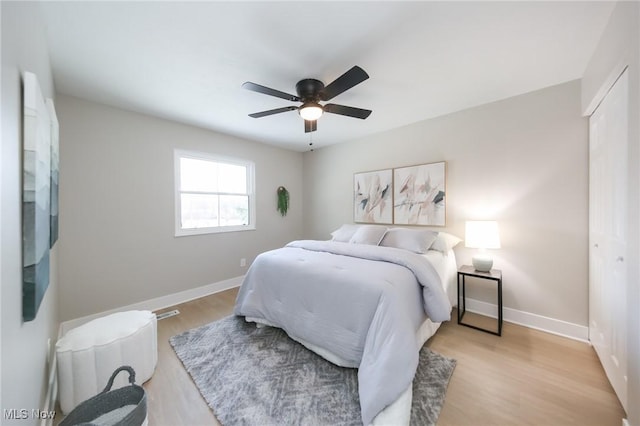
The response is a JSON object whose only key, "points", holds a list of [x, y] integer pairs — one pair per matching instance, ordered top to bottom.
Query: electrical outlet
{"points": [[243, 262]]}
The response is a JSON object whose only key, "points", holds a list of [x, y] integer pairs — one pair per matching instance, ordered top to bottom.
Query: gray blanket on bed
{"points": [[362, 303]]}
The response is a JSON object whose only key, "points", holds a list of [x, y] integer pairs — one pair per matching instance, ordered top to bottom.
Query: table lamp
{"points": [[482, 234]]}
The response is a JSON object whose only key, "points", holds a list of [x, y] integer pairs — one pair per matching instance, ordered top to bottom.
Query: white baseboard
{"points": [[159, 302], [527, 319]]}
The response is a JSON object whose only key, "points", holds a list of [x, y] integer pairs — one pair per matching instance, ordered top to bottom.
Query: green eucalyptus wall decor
{"points": [[283, 200]]}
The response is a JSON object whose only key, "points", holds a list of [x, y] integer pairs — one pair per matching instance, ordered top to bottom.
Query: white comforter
{"points": [[362, 303]]}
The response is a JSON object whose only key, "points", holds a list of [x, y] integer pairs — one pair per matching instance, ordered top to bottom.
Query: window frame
{"points": [[178, 154]]}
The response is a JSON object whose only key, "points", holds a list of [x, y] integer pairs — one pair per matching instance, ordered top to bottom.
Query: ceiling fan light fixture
{"points": [[310, 111]]}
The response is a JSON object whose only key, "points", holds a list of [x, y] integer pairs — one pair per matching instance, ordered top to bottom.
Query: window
{"points": [[213, 194]]}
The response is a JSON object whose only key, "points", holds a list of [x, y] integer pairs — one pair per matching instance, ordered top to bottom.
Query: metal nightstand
{"points": [[494, 275]]}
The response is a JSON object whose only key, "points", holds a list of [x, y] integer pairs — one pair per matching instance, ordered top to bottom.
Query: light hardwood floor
{"points": [[525, 377]]}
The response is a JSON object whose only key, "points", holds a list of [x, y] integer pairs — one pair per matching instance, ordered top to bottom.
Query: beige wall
{"points": [[618, 48], [521, 161], [117, 243], [24, 345]]}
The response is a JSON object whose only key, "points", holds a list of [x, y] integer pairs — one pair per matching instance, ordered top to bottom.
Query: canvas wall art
{"points": [[55, 162], [419, 195], [372, 197], [36, 219]]}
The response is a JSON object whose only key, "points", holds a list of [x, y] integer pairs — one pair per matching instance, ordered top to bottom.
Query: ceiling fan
{"points": [[310, 92]]}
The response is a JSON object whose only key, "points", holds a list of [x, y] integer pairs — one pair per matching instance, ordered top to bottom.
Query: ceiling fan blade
{"points": [[346, 81], [269, 91], [272, 111], [348, 111], [310, 126]]}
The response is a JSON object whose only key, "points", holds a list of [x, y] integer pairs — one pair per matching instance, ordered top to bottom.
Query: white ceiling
{"points": [[187, 61]]}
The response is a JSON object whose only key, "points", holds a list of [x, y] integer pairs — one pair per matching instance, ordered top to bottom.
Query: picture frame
{"points": [[55, 166], [419, 195], [36, 196], [373, 197]]}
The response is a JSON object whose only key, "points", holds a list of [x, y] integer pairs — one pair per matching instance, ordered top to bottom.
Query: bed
{"points": [[369, 302]]}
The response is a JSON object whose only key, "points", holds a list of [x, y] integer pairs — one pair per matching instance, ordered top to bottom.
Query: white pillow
{"points": [[344, 233], [368, 234], [415, 240], [445, 242]]}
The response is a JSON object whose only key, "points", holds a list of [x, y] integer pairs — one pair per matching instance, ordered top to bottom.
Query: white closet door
{"points": [[608, 191]]}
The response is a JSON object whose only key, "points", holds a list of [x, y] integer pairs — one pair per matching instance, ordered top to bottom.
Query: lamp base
{"points": [[482, 262]]}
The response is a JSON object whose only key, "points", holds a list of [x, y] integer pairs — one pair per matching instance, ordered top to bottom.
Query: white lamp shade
{"points": [[482, 234]]}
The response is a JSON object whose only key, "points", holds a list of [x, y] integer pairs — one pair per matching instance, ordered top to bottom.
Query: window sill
{"points": [[204, 231]]}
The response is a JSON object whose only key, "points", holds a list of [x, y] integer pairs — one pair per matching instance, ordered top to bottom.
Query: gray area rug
{"points": [[259, 376]]}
